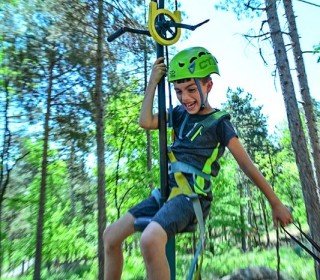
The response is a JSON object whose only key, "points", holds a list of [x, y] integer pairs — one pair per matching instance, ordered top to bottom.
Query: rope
{"points": [[314, 244]]}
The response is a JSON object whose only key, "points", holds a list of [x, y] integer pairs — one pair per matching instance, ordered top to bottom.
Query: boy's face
{"points": [[189, 96]]}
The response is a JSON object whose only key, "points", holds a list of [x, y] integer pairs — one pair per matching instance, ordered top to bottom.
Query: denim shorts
{"points": [[174, 216]]}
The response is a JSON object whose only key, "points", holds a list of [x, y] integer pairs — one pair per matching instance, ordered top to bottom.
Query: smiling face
{"points": [[189, 96]]}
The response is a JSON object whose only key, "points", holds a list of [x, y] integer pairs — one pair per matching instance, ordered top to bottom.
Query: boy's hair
{"points": [[202, 80]]}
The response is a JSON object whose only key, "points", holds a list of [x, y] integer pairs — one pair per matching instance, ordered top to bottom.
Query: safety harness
{"points": [[178, 169]]}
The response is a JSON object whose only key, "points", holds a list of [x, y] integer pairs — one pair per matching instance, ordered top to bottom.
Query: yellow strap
{"points": [[206, 169], [182, 182]]}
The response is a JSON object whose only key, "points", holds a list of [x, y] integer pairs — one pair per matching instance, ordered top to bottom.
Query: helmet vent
{"points": [[201, 54], [192, 59], [181, 64]]}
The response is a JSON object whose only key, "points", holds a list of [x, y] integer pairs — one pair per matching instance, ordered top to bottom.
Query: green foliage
{"points": [[250, 123], [128, 175], [64, 235], [291, 264], [214, 267]]}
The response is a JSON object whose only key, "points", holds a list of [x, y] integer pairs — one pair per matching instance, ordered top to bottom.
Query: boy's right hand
{"points": [[158, 70], [281, 215]]}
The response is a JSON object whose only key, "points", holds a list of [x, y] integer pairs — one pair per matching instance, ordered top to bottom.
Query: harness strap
{"points": [[183, 125], [200, 127], [179, 166], [185, 188], [157, 195], [200, 246]]}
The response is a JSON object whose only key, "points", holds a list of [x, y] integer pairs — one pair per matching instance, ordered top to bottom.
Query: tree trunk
{"points": [[304, 88], [99, 120], [299, 144], [44, 170], [265, 220]]}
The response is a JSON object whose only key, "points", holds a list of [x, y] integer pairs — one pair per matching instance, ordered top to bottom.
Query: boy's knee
{"points": [[109, 240], [152, 240], [147, 241]]}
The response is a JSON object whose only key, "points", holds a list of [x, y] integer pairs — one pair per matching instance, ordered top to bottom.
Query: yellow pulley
{"points": [[162, 25]]}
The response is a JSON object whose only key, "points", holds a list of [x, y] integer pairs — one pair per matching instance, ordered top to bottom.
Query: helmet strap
{"points": [[203, 105]]}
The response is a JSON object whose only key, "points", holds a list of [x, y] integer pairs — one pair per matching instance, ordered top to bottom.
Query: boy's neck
{"points": [[206, 110]]}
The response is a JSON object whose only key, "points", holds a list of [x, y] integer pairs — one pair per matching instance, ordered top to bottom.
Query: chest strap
{"points": [[200, 127]]}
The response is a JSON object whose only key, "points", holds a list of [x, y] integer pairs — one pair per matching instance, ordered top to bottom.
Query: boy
{"points": [[197, 146]]}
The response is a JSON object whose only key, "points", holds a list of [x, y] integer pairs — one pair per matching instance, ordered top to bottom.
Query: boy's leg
{"points": [[174, 216], [113, 237], [153, 244]]}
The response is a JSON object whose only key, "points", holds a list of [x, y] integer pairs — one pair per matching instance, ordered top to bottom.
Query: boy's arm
{"points": [[149, 120], [279, 211]]}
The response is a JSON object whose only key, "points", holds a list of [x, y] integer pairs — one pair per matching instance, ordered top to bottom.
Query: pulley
{"points": [[164, 25]]}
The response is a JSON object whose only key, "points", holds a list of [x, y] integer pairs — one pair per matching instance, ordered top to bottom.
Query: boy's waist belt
{"points": [[177, 168], [187, 168]]}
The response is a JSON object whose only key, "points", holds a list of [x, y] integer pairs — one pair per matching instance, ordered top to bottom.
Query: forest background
{"points": [[73, 157]]}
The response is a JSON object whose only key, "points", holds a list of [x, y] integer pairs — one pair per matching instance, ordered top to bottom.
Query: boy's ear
{"points": [[209, 86]]}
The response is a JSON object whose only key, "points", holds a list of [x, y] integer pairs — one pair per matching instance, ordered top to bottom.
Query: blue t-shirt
{"points": [[197, 152]]}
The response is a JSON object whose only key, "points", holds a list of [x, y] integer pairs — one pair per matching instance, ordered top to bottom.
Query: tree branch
{"points": [[310, 3]]}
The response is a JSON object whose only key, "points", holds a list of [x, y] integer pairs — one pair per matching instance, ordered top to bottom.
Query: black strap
{"points": [[170, 94], [202, 106], [183, 125], [315, 245], [278, 254]]}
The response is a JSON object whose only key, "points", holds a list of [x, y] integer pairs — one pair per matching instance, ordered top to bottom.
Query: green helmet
{"points": [[195, 62]]}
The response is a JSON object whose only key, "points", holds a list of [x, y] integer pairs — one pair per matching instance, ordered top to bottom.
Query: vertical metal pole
{"points": [[162, 130], [170, 248]]}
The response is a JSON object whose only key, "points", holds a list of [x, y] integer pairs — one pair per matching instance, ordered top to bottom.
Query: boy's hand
{"points": [[158, 70], [282, 215]]}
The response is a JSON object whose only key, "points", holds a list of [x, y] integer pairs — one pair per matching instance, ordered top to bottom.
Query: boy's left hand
{"points": [[158, 70], [282, 215]]}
